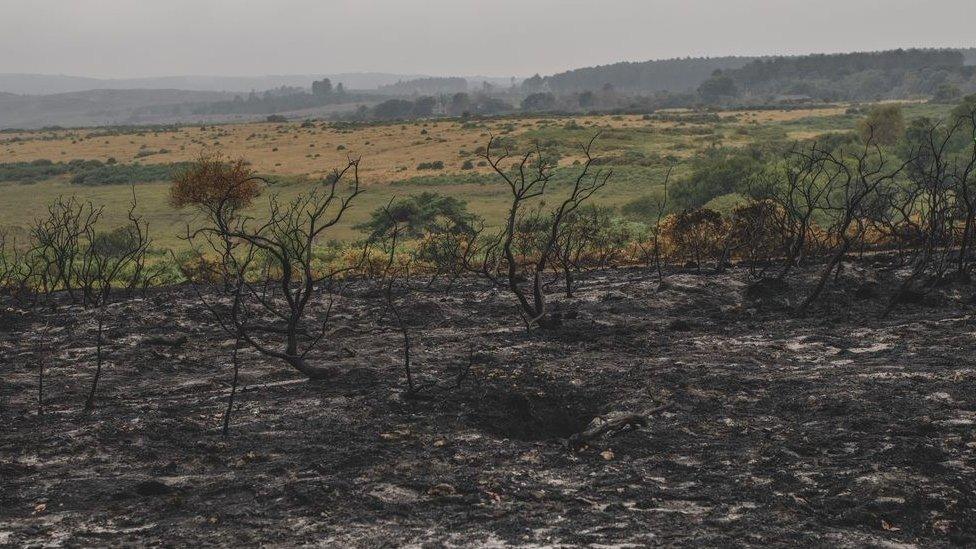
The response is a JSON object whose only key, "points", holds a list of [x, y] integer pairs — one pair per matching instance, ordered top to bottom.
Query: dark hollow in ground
{"points": [[540, 416]]}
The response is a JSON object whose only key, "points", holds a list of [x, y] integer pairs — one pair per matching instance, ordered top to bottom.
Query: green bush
{"points": [[884, 125], [435, 165], [31, 172], [717, 172], [422, 214]]}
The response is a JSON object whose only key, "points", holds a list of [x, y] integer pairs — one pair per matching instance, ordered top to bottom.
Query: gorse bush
{"points": [[884, 125], [212, 182], [695, 235]]}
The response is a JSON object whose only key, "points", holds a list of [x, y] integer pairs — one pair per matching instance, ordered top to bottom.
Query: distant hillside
{"points": [[969, 56], [894, 74], [676, 75], [855, 76], [479, 82], [43, 84], [426, 86], [95, 107]]}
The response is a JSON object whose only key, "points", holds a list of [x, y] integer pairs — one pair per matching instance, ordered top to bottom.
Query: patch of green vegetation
{"points": [[935, 111], [686, 117], [822, 123], [111, 131], [766, 133], [566, 140], [149, 152], [435, 165], [38, 170], [86, 172], [717, 172], [125, 174], [626, 179], [441, 180], [726, 203]]}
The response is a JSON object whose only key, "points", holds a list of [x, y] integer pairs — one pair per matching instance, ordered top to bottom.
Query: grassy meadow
{"points": [[297, 155]]}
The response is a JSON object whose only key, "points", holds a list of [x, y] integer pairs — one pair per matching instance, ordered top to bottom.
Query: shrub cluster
{"points": [[87, 172]]}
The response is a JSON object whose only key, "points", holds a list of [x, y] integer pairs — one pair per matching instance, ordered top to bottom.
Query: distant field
{"points": [[639, 149]]}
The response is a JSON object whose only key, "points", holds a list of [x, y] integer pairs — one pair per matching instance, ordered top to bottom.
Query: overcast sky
{"points": [[129, 38]]}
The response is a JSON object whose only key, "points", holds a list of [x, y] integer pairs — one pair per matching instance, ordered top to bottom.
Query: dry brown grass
{"points": [[393, 150]]}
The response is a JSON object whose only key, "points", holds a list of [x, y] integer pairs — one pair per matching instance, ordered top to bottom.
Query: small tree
{"points": [[718, 87], [322, 88], [539, 102], [884, 125], [855, 177], [964, 177], [528, 179], [212, 181], [798, 186], [220, 190], [936, 197], [662, 207], [420, 215], [437, 226], [756, 231], [695, 235], [57, 243], [571, 247], [67, 253], [106, 258], [17, 268], [396, 275], [290, 277]]}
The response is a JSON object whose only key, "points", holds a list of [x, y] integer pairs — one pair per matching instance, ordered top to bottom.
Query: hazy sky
{"points": [[125, 38]]}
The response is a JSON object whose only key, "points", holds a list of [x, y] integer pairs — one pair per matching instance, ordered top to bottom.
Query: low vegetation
{"points": [[87, 172]]}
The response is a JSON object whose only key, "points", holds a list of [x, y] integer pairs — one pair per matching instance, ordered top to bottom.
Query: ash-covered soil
{"points": [[838, 428]]}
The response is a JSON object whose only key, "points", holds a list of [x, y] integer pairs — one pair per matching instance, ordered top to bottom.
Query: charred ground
{"points": [[836, 427]]}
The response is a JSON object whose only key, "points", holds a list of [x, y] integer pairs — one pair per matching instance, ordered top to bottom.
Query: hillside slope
{"points": [[675, 75]]}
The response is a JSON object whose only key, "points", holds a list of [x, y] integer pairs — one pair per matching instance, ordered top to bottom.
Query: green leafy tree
{"points": [[322, 87], [718, 87], [946, 93], [587, 99], [539, 102], [460, 104], [424, 106], [964, 114], [884, 125], [717, 172], [422, 214]]}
